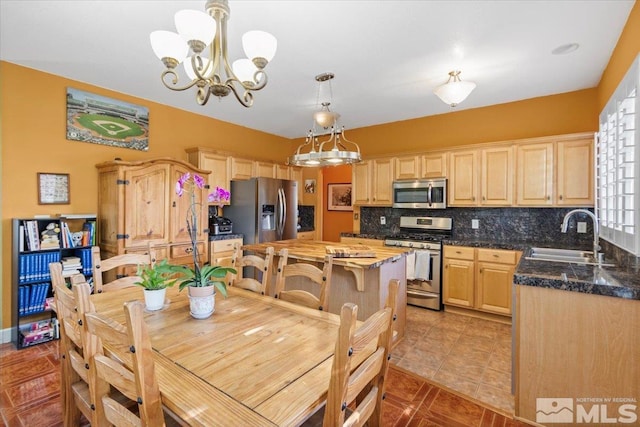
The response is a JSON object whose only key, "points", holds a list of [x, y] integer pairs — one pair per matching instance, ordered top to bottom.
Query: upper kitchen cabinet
{"points": [[217, 163], [434, 165], [534, 165], [407, 167], [241, 168], [265, 169], [283, 172], [575, 172], [295, 174], [496, 176], [481, 177], [463, 178], [372, 181], [138, 206]]}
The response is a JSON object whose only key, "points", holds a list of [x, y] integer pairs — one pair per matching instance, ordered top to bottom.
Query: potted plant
{"points": [[155, 279], [201, 281]]}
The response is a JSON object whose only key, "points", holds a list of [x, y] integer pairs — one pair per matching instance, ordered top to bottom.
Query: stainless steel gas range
{"points": [[424, 279]]}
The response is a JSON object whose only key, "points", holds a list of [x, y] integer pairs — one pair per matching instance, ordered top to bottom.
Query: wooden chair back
{"points": [[115, 266], [261, 267], [315, 275], [135, 379], [76, 381], [366, 381]]}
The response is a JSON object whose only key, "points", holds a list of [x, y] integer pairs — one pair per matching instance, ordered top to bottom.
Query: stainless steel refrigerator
{"points": [[264, 209]]}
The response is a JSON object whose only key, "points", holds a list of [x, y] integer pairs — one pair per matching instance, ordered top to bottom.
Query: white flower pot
{"points": [[154, 298], [202, 301]]}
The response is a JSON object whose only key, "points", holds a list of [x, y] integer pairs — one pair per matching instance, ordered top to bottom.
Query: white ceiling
{"points": [[387, 56]]}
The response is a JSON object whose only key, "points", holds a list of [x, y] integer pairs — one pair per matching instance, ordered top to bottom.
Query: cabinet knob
{"points": [[548, 197], [561, 197], [473, 198], [484, 198], [173, 204], [188, 250], [446, 266], [481, 270]]}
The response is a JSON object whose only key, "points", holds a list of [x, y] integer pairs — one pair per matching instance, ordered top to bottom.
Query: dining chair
{"points": [[259, 266], [115, 267], [320, 278], [134, 378], [76, 379], [356, 392]]}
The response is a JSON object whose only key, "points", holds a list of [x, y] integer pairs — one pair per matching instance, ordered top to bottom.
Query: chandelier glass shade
{"points": [[201, 45], [454, 91], [335, 150]]}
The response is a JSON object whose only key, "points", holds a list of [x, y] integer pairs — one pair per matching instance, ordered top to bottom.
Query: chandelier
{"points": [[204, 35], [454, 91], [332, 151]]}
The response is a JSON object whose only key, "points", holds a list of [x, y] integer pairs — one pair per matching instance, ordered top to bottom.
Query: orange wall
{"points": [[623, 55], [33, 136], [335, 222]]}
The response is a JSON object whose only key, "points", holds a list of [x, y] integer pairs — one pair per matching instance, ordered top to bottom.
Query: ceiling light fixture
{"points": [[212, 74], [454, 91], [331, 152]]}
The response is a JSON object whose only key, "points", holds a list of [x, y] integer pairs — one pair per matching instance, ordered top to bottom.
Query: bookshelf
{"points": [[36, 242]]}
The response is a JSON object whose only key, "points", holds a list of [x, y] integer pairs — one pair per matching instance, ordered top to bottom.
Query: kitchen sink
{"points": [[563, 255]]}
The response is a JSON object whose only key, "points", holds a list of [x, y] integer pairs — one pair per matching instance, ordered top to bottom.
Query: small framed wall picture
{"points": [[53, 188], [339, 197]]}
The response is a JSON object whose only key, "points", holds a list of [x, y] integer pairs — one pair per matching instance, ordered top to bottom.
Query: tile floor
{"points": [[466, 354]]}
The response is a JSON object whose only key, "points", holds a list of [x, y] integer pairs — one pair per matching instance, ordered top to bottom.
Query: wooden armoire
{"points": [[138, 206]]}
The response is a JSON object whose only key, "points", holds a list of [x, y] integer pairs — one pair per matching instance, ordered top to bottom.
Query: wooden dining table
{"points": [[257, 361]]}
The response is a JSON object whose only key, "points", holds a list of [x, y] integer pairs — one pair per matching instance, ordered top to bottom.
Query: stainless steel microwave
{"points": [[420, 194]]}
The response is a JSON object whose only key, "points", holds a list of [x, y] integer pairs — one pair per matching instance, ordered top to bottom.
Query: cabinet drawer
{"points": [[361, 241], [224, 245], [459, 252], [182, 254], [497, 256]]}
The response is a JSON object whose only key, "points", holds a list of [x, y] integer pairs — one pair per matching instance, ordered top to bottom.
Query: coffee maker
{"points": [[218, 224]]}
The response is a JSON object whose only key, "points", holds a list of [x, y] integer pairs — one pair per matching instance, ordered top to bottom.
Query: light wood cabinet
{"points": [[217, 163], [434, 165], [534, 166], [575, 166], [407, 167], [241, 168], [264, 170], [283, 172], [496, 176], [463, 178], [382, 181], [372, 182], [361, 183], [138, 206], [221, 251], [458, 276], [479, 279], [495, 280], [573, 344]]}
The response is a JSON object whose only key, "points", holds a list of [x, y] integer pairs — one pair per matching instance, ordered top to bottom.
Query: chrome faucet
{"points": [[596, 244]]}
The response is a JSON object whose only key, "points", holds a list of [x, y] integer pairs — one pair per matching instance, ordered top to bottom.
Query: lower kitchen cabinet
{"points": [[221, 251], [479, 279]]}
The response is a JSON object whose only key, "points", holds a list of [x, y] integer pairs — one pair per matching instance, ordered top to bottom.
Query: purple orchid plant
{"points": [[206, 275]]}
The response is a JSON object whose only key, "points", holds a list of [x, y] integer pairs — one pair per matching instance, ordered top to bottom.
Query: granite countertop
{"points": [[225, 237], [620, 282]]}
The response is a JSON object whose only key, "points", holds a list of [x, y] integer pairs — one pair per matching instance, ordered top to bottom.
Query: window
{"points": [[618, 164]]}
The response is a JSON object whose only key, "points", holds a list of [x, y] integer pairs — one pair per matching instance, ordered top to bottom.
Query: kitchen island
{"points": [[362, 281]]}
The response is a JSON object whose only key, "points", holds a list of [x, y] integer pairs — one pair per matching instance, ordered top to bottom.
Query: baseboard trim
{"points": [[5, 335]]}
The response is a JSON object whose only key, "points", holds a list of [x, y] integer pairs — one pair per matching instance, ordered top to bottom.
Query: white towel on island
{"points": [[423, 265], [411, 266]]}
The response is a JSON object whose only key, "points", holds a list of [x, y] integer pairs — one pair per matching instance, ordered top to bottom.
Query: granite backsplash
{"points": [[306, 218], [539, 225]]}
